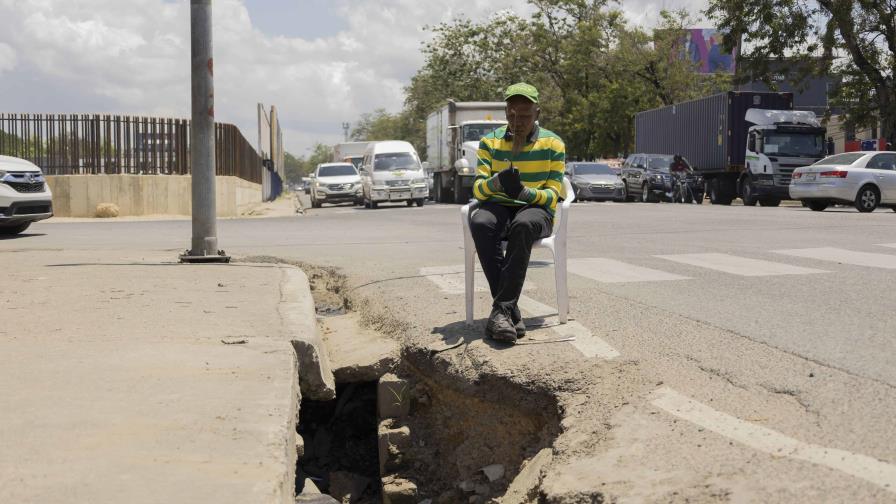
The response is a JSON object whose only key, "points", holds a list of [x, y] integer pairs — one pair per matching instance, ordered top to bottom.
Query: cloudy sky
{"points": [[321, 62]]}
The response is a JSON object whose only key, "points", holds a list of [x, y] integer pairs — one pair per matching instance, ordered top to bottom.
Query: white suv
{"points": [[335, 183], [24, 195]]}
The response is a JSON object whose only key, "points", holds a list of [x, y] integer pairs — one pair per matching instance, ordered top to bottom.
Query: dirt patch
{"points": [[328, 285], [458, 428]]}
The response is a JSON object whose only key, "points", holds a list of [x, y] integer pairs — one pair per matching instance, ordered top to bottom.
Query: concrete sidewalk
{"points": [[129, 379]]}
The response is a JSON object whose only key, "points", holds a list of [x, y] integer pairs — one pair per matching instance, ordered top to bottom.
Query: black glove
{"points": [[510, 181]]}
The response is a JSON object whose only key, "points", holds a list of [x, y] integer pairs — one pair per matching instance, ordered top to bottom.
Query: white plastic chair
{"points": [[556, 243]]}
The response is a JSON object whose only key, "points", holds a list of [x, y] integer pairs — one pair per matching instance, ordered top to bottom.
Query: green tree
{"points": [[855, 39], [380, 125], [320, 153], [294, 168]]}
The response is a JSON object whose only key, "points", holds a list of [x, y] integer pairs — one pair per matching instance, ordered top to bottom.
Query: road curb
{"points": [[297, 312]]}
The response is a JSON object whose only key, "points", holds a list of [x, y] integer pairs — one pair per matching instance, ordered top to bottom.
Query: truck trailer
{"points": [[452, 140], [745, 144], [349, 152]]}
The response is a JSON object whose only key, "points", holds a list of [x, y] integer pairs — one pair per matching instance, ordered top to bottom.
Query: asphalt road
{"points": [[769, 332]]}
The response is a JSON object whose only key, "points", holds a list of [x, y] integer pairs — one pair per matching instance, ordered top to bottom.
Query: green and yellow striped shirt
{"points": [[541, 164]]}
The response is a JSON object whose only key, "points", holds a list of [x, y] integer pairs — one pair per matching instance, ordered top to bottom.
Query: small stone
{"points": [[106, 210], [811, 375], [300, 446], [493, 472], [467, 486], [310, 488], [482, 490], [399, 491]]}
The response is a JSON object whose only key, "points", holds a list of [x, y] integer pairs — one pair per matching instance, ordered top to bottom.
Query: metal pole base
{"points": [[220, 257]]}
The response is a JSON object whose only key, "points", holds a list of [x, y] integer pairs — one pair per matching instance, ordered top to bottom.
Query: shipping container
{"points": [[710, 132]]}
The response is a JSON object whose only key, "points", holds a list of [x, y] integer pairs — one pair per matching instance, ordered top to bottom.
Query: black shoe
{"points": [[517, 318], [500, 327]]}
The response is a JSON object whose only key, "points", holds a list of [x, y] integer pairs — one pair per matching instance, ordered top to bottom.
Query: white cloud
{"points": [[7, 57], [133, 58]]}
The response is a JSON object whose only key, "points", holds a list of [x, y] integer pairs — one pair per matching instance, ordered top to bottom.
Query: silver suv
{"points": [[335, 183], [24, 195]]}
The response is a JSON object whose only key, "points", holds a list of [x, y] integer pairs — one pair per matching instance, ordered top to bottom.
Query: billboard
{"points": [[703, 46]]}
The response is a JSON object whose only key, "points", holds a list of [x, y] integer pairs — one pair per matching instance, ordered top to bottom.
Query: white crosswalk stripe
{"points": [[844, 256], [736, 265], [612, 271], [450, 280], [587, 343], [775, 443]]}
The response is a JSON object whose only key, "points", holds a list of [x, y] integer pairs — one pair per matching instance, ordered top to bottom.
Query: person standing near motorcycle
{"points": [[679, 166]]}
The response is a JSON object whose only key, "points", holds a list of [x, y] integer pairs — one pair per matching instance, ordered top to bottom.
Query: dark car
{"points": [[647, 177], [594, 181]]}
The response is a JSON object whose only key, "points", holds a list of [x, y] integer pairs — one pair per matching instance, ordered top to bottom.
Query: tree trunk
{"points": [[886, 99]]}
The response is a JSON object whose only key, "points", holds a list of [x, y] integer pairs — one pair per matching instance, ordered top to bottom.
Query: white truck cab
{"points": [[471, 132], [452, 140], [779, 142], [391, 171], [24, 195]]}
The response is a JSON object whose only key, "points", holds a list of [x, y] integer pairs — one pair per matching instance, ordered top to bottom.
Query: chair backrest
{"points": [[568, 189]]}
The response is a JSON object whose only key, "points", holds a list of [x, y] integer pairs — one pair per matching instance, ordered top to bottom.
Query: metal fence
{"points": [[80, 144]]}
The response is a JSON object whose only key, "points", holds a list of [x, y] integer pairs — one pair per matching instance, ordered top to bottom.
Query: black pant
{"points": [[492, 223]]}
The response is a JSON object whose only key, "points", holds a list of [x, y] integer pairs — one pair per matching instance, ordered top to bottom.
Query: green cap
{"points": [[521, 89]]}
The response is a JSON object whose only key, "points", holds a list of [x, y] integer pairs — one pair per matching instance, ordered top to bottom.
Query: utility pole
{"points": [[345, 127], [204, 246]]}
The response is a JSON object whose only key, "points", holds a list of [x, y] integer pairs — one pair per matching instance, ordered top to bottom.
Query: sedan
{"points": [[865, 180], [594, 181]]}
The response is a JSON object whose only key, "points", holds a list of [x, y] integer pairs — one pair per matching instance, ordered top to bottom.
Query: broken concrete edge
{"points": [[299, 318], [526, 483], [287, 485]]}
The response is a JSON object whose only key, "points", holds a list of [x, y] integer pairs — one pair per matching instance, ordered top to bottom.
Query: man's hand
{"points": [[510, 181]]}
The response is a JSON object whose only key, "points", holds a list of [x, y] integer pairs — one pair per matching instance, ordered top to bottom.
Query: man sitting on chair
{"points": [[519, 180]]}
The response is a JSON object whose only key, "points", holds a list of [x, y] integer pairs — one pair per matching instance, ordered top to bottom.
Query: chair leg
{"points": [[469, 279], [560, 281]]}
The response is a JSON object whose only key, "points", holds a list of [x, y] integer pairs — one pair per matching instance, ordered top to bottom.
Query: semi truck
{"points": [[452, 140], [745, 144], [351, 152]]}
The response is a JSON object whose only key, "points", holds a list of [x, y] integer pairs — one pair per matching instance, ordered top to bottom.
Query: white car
{"points": [[865, 180], [335, 183], [24, 195]]}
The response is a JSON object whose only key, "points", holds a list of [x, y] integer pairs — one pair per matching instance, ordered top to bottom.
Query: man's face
{"points": [[521, 116]]}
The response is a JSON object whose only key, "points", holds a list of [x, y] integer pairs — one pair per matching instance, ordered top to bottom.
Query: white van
{"points": [[391, 172]]}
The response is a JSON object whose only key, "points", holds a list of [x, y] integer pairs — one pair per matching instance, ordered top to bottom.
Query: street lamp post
{"points": [[204, 245]]}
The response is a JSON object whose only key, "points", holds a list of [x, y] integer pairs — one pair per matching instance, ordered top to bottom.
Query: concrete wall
{"points": [[78, 195]]}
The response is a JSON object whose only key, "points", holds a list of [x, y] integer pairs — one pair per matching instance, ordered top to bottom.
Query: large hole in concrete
{"points": [[458, 423], [459, 427], [340, 439]]}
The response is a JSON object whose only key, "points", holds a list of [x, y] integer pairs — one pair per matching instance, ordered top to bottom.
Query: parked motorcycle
{"points": [[687, 187]]}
